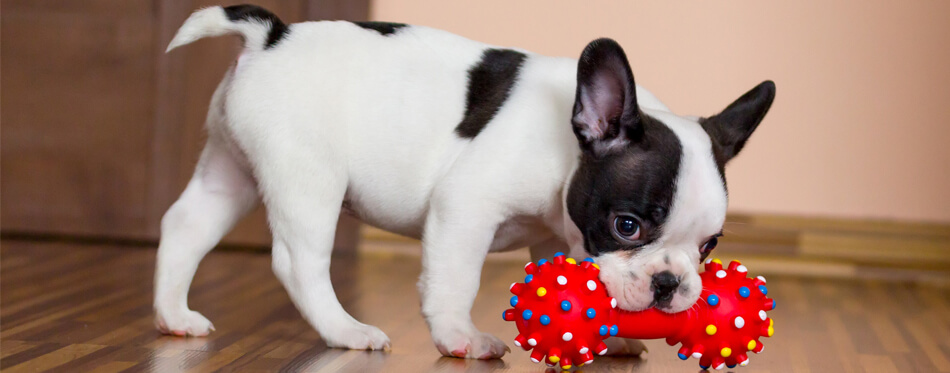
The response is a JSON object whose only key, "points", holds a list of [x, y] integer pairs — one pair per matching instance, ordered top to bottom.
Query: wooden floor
{"points": [[71, 308]]}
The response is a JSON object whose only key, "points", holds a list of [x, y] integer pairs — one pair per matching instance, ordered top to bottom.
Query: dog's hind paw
{"points": [[187, 323], [360, 337]]}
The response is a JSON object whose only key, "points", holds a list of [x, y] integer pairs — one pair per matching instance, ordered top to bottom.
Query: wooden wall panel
{"points": [[77, 89], [101, 128]]}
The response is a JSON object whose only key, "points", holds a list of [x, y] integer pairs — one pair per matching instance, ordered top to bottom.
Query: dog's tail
{"points": [[260, 28]]}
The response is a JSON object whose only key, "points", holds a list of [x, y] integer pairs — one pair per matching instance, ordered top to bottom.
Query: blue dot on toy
{"points": [[558, 254], [588, 260], [542, 261], [528, 278], [763, 289], [744, 292], [713, 300], [514, 301], [565, 305], [591, 313], [503, 315], [526, 315], [544, 319], [604, 330], [614, 330], [682, 356], [731, 366], [703, 367]]}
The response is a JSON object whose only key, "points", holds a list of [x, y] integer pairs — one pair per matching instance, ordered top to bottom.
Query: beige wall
{"points": [[861, 121]]}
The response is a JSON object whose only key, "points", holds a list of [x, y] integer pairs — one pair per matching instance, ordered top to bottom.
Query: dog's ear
{"points": [[606, 115], [730, 129]]}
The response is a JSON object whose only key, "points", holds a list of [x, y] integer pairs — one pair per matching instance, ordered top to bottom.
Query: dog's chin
{"points": [[680, 302]]}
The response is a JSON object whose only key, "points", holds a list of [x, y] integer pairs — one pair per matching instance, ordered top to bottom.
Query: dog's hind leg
{"points": [[303, 194], [218, 195]]}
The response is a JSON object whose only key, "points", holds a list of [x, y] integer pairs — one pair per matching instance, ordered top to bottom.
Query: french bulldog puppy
{"points": [[472, 148]]}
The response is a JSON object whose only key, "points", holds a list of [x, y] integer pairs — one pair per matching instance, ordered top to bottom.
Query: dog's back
{"points": [[391, 100]]}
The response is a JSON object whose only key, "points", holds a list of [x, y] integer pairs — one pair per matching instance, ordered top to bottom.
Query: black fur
{"points": [[383, 28], [278, 30], [489, 83], [730, 129], [631, 168], [639, 179]]}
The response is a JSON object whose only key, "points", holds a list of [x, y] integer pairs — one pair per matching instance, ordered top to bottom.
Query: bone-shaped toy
{"points": [[563, 313]]}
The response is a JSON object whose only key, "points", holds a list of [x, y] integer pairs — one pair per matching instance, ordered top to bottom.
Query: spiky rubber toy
{"points": [[563, 314]]}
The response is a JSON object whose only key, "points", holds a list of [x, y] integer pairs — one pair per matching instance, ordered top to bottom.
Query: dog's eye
{"points": [[627, 227], [709, 245]]}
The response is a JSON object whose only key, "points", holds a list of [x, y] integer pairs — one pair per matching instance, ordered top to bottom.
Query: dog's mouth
{"points": [[664, 306]]}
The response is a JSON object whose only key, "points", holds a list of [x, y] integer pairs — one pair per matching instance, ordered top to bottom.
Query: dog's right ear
{"points": [[606, 115]]}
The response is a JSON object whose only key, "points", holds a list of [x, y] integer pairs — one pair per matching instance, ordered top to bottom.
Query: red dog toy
{"points": [[563, 312]]}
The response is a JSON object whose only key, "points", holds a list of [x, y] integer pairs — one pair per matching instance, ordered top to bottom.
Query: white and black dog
{"points": [[472, 148]]}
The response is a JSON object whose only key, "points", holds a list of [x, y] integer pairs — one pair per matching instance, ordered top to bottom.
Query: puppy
{"points": [[470, 147]]}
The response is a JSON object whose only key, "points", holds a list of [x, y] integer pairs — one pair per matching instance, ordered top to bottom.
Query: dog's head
{"points": [[649, 194]]}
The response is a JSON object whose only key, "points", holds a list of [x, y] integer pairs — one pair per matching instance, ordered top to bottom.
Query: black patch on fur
{"points": [[245, 12], [383, 28], [489, 83], [730, 129], [627, 168], [639, 179]]}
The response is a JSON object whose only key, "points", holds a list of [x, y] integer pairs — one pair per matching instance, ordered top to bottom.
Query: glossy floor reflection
{"points": [[74, 308]]}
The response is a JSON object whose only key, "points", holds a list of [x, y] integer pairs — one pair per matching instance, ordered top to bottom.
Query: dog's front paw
{"points": [[184, 323], [358, 337], [472, 345], [624, 347]]}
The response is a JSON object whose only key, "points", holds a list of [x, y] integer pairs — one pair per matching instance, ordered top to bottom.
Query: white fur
{"points": [[213, 22], [336, 114]]}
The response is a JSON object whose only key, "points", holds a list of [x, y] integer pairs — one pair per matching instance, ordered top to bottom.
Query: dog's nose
{"points": [[664, 285]]}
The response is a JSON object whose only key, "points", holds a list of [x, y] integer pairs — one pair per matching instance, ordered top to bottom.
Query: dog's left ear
{"points": [[730, 129]]}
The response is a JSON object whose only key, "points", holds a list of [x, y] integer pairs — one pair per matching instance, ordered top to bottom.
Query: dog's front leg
{"points": [[455, 244]]}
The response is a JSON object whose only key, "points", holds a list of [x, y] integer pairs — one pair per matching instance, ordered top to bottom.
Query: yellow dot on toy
{"points": [[571, 260], [717, 261], [596, 266], [542, 291], [771, 322], [710, 329], [771, 330], [751, 345], [726, 351], [554, 359], [565, 367]]}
